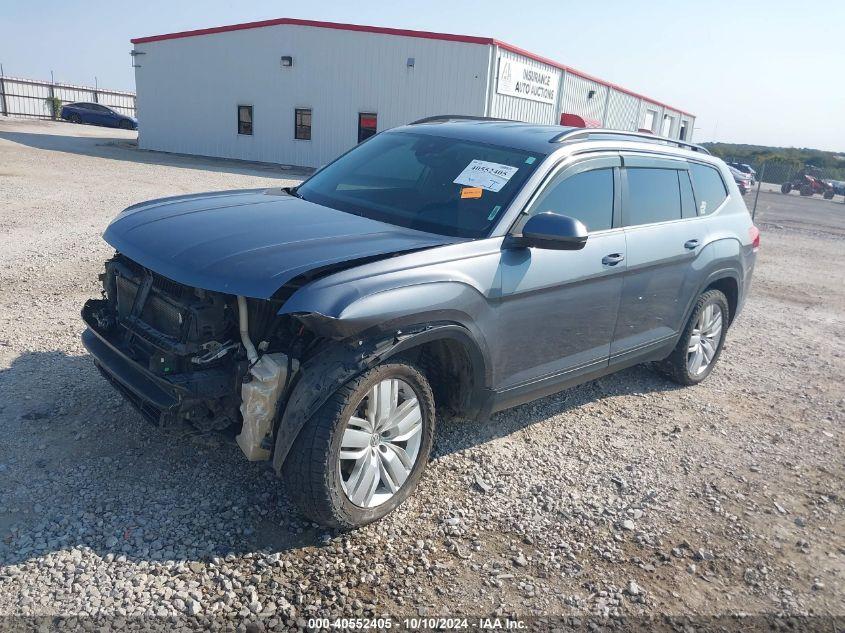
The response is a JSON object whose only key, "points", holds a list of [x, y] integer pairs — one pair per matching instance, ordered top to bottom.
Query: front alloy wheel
{"points": [[380, 444], [361, 455]]}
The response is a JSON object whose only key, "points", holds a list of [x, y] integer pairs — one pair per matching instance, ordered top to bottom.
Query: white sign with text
{"points": [[518, 79]]}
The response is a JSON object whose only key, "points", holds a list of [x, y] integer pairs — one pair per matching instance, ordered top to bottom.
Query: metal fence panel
{"points": [[31, 98]]}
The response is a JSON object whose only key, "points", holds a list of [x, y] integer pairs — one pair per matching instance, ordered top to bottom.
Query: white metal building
{"points": [[300, 92]]}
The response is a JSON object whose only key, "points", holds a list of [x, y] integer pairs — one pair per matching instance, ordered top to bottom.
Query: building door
{"points": [[367, 125]]}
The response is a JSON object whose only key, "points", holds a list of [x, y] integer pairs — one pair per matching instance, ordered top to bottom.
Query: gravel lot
{"points": [[627, 496]]}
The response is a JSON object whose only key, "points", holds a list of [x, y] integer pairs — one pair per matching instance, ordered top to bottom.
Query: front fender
{"points": [[392, 309], [338, 363]]}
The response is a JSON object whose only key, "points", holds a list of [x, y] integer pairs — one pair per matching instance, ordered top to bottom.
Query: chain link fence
{"points": [[796, 178]]}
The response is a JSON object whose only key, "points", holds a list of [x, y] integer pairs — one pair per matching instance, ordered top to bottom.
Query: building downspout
{"points": [[492, 70], [559, 100], [606, 107]]}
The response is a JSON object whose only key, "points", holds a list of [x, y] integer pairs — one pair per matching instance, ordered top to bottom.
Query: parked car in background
{"points": [[97, 114], [745, 168], [743, 181], [838, 187], [447, 266]]}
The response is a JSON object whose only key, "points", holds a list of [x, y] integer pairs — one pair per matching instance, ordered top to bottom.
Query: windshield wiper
{"points": [[293, 191]]}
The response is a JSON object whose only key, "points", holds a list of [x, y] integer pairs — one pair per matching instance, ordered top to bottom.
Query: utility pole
{"points": [[3, 92], [53, 113]]}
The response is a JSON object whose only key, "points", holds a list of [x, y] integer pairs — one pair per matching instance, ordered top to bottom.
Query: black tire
{"points": [[74, 118], [786, 187], [806, 190], [828, 195], [674, 366], [311, 474]]}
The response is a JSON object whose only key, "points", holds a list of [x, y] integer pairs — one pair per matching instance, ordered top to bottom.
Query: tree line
{"points": [[831, 164]]}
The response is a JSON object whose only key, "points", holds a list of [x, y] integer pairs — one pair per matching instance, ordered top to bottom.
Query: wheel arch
{"points": [[721, 279], [728, 285], [432, 345]]}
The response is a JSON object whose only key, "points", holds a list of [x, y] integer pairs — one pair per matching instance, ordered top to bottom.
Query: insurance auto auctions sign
{"points": [[527, 82]]}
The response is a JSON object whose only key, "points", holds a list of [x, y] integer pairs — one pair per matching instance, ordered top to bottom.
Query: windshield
{"points": [[429, 183]]}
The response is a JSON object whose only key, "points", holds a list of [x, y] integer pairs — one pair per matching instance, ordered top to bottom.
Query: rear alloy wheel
{"points": [[74, 118], [704, 339], [701, 342], [361, 455]]}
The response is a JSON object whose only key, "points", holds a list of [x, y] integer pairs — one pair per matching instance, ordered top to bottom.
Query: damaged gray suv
{"points": [[451, 266]]}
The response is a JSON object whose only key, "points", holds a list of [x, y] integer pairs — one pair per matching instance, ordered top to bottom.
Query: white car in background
{"points": [[744, 181]]}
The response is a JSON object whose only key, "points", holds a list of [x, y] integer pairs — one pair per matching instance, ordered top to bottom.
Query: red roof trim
{"points": [[315, 23], [469, 39], [583, 75]]}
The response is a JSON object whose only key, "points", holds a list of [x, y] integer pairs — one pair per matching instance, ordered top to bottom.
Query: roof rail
{"points": [[456, 117], [571, 135]]}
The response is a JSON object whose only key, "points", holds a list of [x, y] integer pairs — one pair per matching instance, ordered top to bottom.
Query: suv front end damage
{"points": [[186, 355]]}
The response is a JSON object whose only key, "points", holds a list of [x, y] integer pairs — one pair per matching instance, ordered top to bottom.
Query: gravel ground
{"points": [[627, 496]]}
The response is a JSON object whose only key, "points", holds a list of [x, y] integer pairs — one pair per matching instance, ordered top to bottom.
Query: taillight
{"points": [[754, 234]]}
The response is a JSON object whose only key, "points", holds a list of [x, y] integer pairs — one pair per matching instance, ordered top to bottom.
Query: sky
{"points": [[752, 71]]}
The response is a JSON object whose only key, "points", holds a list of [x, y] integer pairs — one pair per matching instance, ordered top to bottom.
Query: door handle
{"points": [[691, 244], [612, 259]]}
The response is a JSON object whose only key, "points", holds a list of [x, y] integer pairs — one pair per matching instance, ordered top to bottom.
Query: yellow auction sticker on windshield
{"points": [[471, 192]]}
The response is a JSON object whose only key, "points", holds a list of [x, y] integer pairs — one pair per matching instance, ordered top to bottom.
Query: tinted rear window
{"points": [[709, 187], [587, 196], [653, 196]]}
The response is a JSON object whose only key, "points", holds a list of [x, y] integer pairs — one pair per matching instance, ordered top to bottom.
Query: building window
{"points": [[244, 119], [302, 124], [366, 125]]}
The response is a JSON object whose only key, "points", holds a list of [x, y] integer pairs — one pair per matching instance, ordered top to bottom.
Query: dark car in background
{"points": [[97, 114], [838, 187]]}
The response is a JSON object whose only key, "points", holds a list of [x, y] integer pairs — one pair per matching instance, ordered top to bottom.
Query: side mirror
{"points": [[555, 232]]}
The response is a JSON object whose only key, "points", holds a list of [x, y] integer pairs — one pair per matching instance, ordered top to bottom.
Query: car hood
{"points": [[252, 242]]}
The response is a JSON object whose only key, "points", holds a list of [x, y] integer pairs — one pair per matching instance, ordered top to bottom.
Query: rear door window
{"points": [[710, 189], [654, 195]]}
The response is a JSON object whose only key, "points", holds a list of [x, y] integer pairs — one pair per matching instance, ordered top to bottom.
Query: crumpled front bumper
{"points": [[159, 399]]}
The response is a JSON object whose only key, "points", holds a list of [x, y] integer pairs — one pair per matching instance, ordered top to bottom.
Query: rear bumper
{"points": [[160, 400]]}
